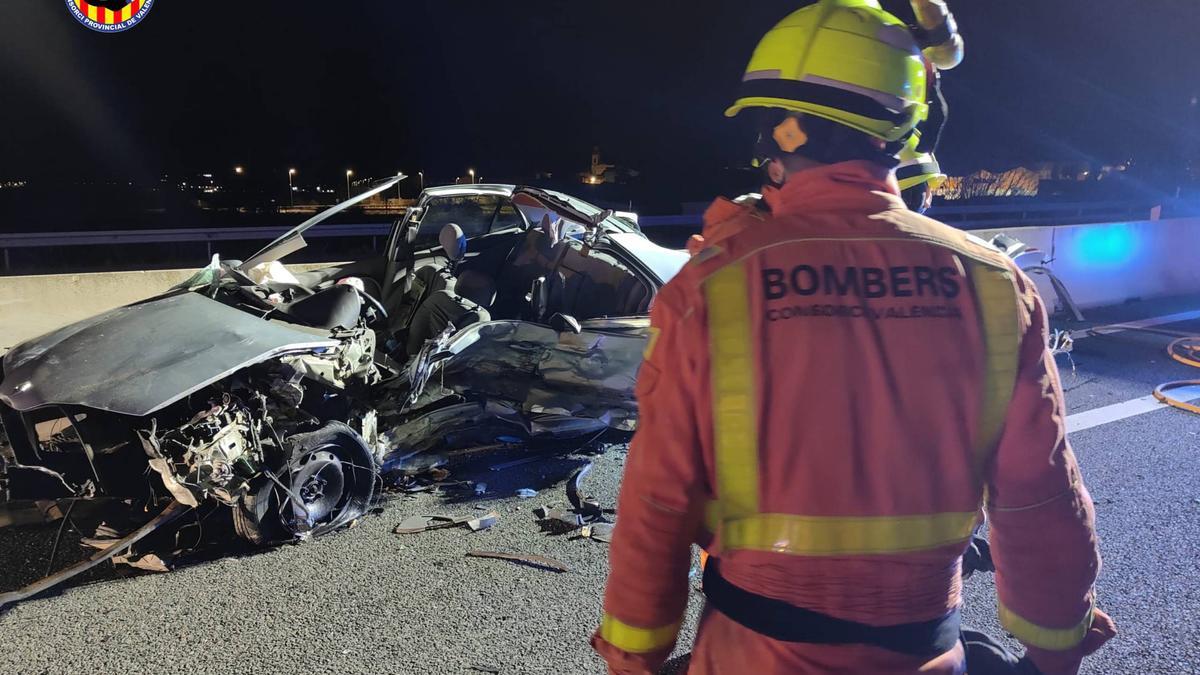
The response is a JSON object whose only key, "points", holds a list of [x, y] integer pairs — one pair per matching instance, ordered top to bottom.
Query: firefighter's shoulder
{"points": [[927, 229]]}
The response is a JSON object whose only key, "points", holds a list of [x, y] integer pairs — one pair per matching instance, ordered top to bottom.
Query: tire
{"points": [[333, 472], [253, 518]]}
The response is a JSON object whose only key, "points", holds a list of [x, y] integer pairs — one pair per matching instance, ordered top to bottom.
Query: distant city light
{"points": [[239, 170]]}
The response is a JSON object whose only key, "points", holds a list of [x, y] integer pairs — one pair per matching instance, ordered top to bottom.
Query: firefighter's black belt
{"points": [[785, 622]]}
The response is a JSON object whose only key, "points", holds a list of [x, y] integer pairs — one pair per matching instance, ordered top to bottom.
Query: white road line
{"points": [[1134, 325], [1138, 406], [1119, 411]]}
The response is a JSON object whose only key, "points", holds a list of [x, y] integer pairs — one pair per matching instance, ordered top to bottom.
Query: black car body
{"points": [[284, 396]]}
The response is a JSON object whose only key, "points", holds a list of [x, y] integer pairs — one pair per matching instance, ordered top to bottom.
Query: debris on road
{"points": [[480, 488], [526, 493], [582, 503], [170, 513], [558, 521], [483, 522], [415, 524], [601, 532], [540, 562], [148, 563]]}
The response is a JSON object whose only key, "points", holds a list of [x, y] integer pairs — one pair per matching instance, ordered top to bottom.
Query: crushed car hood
{"points": [[137, 359]]}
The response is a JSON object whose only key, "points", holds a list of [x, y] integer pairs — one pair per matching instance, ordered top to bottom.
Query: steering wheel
{"points": [[380, 312]]}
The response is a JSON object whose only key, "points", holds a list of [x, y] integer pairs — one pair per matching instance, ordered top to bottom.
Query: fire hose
{"points": [[1185, 350]]}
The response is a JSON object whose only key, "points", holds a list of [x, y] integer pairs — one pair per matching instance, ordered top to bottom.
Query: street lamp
{"points": [[239, 170], [349, 172], [472, 172], [422, 175], [291, 190]]}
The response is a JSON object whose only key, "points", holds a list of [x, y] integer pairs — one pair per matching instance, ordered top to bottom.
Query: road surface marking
{"points": [[1135, 325], [1138, 406], [1119, 411]]}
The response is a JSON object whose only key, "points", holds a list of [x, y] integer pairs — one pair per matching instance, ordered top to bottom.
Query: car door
{"points": [[582, 366], [540, 370]]}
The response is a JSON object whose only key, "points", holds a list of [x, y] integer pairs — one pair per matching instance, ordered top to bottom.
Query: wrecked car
{"points": [[494, 316]]}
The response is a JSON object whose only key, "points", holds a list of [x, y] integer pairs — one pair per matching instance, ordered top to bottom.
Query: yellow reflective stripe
{"points": [[1001, 334], [651, 342], [735, 421], [837, 535], [1033, 635], [636, 640]]}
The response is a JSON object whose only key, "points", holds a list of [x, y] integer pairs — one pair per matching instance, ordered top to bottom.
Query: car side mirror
{"points": [[565, 323]]}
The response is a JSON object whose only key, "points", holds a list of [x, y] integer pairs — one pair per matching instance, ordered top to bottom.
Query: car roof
{"points": [[475, 189]]}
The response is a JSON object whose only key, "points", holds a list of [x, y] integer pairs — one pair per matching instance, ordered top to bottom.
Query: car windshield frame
{"points": [[576, 210], [613, 223], [428, 232], [293, 240]]}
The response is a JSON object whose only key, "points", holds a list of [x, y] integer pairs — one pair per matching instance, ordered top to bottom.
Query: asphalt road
{"points": [[366, 600]]}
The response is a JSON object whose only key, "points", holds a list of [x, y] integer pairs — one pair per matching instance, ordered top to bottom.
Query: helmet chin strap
{"points": [[939, 111], [775, 173]]}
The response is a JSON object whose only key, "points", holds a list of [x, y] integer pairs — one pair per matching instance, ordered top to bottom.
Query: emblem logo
{"points": [[109, 16]]}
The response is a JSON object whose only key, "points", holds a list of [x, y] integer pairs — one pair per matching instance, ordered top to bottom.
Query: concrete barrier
{"points": [[1110, 263], [1101, 264], [34, 305]]}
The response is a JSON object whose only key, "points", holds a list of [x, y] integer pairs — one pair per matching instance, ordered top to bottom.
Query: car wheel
{"points": [[332, 475]]}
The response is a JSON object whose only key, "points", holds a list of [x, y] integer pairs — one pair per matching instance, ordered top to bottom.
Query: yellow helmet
{"points": [[847, 61], [917, 168]]}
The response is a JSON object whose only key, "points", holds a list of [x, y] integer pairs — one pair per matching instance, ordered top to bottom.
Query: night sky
{"points": [[514, 87]]}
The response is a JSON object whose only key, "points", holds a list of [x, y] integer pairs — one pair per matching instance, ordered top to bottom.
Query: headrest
{"points": [[453, 242]]}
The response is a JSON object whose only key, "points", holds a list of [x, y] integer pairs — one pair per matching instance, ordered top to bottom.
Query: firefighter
{"points": [[936, 33], [918, 175], [833, 390]]}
